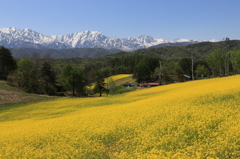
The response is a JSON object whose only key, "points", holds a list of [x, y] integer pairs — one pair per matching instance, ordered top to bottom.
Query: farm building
{"points": [[183, 78], [148, 85]]}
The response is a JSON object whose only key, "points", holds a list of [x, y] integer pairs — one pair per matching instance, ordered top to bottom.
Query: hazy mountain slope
{"points": [[63, 53]]}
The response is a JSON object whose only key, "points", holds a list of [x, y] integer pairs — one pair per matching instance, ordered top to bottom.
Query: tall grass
{"points": [[199, 119]]}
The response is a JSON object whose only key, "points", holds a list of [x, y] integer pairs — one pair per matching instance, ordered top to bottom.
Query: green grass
{"points": [[13, 97]]}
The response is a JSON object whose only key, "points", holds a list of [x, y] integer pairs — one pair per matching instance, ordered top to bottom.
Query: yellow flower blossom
{"points": [[196, 119]]}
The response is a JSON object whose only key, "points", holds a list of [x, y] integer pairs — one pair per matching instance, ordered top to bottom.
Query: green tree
{"points": [[226, 57], [235, 60], [215, 61], [7, 63], [192, 65], [185, 66], [145, 68], [142, 71], [159, 71], [170, 71], [201, 71], [27, 75], [14, 78], [48, 79], [73, 79], [79, 81], [100, 86]]}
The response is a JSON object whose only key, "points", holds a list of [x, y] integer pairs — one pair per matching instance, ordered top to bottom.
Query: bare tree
{"points": [[226, 57], [37, 60], [1, 64], [192, 64], [159, 71]]}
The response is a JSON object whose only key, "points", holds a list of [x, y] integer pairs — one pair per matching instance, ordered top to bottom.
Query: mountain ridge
{"points": [[19, 38]]}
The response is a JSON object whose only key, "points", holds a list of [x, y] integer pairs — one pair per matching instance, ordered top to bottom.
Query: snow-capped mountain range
{"points": [[16, 38]]}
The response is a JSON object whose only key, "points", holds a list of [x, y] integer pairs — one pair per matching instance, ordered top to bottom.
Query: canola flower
{"points": [[119, 76], [114, 78], [197, 119]]}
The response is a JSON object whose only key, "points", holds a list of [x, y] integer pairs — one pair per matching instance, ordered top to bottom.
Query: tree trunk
{"points": [[192, 66], [73, 89]]}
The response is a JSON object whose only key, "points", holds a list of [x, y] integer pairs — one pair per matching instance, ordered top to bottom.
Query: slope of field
{"points": [[120, 76], [117, 81], [10, 96], [198, 119]]}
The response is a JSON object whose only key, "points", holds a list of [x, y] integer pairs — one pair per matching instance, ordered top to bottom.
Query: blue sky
{"points": [[167, 19]]}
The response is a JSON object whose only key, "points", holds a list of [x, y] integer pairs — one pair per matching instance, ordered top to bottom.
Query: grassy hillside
{"points": [[10, 96], [198, 119]]}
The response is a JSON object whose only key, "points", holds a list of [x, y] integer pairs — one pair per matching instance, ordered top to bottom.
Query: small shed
{"points": [[183, 78]]}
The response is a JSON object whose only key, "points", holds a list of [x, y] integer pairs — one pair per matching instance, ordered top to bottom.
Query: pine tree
{"points": [[7, 63], [48, 79], [100, 86]]}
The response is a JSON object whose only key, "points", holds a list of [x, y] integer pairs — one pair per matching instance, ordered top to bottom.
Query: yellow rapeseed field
{"points": [[118, 77], [114, 78], [196, 119]]}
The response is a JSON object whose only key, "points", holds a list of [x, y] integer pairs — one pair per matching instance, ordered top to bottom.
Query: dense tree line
{"points": [[35, 75], [49, 76], [34, 79], [74, 79]]}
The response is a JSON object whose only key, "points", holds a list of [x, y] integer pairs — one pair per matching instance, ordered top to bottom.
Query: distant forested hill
{"points": [[200, 51], [63, 53]]}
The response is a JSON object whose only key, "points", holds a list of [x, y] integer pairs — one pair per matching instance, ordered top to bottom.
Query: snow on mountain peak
{"points": [[7, 30], [13, 37], [180, 40], [213, 40]]}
